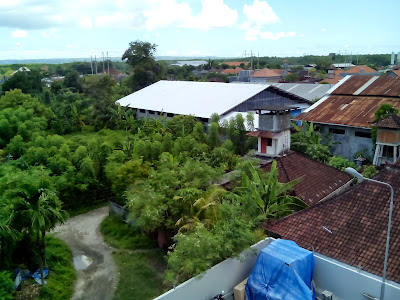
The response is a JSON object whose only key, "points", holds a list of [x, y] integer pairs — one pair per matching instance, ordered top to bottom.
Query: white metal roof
{"points": [[200, 99]]}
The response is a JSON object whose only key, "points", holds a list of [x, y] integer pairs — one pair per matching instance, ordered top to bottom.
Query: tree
{"points": [[139, 53], [291, 77], [71, 80], [310, 142], [270, 195], [33, 207]]}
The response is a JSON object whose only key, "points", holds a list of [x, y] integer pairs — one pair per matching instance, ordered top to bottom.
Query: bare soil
{"points": [[82, 234]]}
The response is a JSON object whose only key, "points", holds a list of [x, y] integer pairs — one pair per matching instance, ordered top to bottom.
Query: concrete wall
{"points": [[350, 144], [222, 277], [343, 281], [346, 282]]}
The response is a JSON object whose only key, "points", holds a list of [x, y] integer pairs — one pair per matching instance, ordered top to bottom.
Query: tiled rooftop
{"points": [[268, 73], [391, 121], [317, 180], [351, 227]]}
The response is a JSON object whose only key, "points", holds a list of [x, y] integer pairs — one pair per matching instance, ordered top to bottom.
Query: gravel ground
{"points": [[95, 267]]}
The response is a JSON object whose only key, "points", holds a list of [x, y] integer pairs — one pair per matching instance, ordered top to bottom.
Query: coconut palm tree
{"points": [[33, 207], [203, 210]]}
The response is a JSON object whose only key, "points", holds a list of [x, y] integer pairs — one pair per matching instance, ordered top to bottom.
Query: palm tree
{"points": [[270, 196], [33, 208], [202, 210]]}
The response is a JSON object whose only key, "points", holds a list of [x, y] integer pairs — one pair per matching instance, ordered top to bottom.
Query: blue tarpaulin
{"points": [[283, 271]]}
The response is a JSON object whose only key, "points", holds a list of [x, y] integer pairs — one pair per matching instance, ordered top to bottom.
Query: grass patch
{"points": [[121, 236], [140, 272], [140, 275], [60, 281], [60, 284]]}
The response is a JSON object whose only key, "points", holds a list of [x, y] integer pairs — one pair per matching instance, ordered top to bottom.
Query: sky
{"points": [[225, 28]]}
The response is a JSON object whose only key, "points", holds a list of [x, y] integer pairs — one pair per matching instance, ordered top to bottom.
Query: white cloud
{"points": [[155, 14], [259, 14], [85, 22], [323, 29], [51, 33], [19, 34], [254, 34], [18, 44]]}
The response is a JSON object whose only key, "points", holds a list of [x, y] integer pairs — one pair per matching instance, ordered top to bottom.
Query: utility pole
{"points": [[102, 54], [245, 54], [251, 57], [258, 60], [95, 63], [91, 64], [108, 64]]}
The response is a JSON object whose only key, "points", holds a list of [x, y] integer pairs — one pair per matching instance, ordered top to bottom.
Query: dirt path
{"points": [[94, 265]]}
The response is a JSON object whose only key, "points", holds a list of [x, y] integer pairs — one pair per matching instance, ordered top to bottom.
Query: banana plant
{"points": [[270, 195]]}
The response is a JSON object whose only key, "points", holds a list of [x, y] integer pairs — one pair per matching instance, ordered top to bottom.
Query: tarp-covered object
{"points": [[283, 271]]}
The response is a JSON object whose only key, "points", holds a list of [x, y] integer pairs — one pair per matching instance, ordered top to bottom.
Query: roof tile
{"points": [[317, 180], [358, 222]]}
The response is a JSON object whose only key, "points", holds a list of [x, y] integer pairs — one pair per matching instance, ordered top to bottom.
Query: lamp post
{"points": [[361, 178]]}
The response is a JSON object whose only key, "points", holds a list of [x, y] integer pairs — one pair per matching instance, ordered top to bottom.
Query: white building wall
{"points": [[343, 281]]}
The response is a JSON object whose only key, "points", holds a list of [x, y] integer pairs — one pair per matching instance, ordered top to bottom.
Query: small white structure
{"points": [[273, 132]]}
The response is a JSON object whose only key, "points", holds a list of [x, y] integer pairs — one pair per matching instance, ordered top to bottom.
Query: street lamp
{"points": [[361, 178]]}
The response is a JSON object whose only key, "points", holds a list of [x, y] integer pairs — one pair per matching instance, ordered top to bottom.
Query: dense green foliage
{"points": [[311, 142], [71, 146], [6, 285]]}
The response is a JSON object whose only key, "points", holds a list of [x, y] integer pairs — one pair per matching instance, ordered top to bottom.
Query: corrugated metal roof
{"points": [[351, 85], [384, 86], [308, 91], [200, 99], [354, 111]]}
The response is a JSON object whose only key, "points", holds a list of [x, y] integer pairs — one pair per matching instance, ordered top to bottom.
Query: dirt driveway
{"points": [[94, 265]]}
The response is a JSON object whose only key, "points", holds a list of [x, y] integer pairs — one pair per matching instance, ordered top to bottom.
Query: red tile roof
{"points": [[236, 63], [357, 69], [231, 71], [397, 72], [268, 73], [391, 121], [317, 180], [357, 220]]}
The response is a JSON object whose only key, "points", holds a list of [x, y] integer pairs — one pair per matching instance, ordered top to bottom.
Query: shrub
{"points": [[341, 163], [369, 171], [6, 285]]}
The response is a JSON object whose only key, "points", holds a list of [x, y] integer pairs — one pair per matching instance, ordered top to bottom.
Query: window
{"points": [[151, 112], [170, 115], [337, 131], [363, 134], [269, 142]]}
